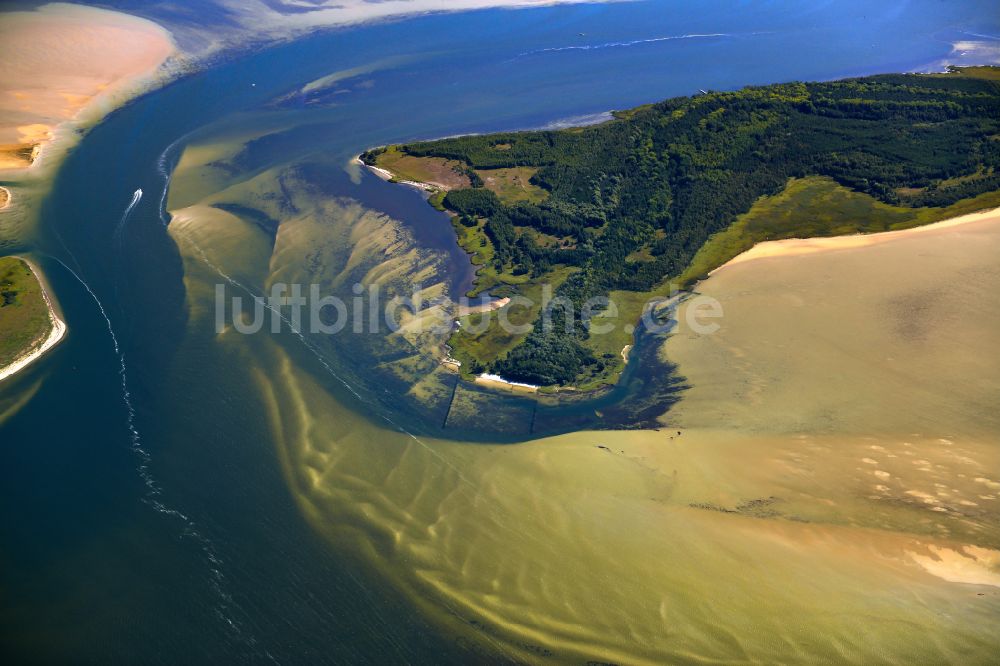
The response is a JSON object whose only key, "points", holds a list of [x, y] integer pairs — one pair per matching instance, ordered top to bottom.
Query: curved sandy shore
{"points": [[5, 197], [799, 246], [57, 333], [497, 381]]}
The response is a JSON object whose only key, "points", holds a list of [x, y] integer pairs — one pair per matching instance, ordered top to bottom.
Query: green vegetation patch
{"points": [[434, 170], [513, 185], [674, 189], [816, 207], [24, 315], [481, 339]]}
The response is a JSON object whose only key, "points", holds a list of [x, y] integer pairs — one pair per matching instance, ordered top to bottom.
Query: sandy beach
{"points": [[67, 63], [385, 174], [800, 246], [495, 304], [57, 333], [496, 381]]}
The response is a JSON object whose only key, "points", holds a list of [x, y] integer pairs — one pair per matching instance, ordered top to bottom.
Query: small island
{"points": [[656, 198], [28, 320]]}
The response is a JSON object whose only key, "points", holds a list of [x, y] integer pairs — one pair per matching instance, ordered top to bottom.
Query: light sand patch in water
{"points": [[66, 62], [896, 337], [972, 565]]}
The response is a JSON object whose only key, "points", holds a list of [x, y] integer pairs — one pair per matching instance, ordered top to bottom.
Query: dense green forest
{"points": [[631, 201]]}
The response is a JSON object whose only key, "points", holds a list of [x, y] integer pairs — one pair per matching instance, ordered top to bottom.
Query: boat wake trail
{"points": [[635, 42], [164, 167], [136, 198], [153, 497]]}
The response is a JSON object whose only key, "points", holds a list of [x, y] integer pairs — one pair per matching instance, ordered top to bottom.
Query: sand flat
{"points": [[63, 62], [888, 333], [828, 497], [820, 504]]}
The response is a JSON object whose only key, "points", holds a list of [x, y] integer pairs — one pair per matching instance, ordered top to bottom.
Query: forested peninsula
{"points": [[664, 193]]}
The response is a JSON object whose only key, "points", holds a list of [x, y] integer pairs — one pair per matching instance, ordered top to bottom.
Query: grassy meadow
{"points": [[24, 316]]}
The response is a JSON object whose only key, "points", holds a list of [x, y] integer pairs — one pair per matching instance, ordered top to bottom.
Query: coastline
{"points": [[389, 176], [5, 197], [792, 247], [767, 249], [55, 336], [496, 381]]}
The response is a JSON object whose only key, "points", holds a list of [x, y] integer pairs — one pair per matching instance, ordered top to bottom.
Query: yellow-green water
{"points": [[826, 490], [170, 494]]}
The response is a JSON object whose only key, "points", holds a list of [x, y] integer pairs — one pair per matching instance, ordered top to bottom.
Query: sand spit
{"points": [[254, 21], [67, 64], [385, 174], [54, 337]]}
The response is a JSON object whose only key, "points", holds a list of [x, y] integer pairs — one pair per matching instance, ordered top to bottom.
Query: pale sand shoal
{"points": [[65, 62], [490, 306], [893, 332], [57, 333]]}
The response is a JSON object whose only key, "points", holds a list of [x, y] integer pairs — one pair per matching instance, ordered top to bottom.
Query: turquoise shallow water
{"points": [[159, 528]]}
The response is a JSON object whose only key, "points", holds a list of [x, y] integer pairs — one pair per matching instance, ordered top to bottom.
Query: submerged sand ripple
{"points": [[823, 502]]}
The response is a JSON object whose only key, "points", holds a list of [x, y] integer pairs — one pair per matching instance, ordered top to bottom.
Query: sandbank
{"points": [[65, 63]]}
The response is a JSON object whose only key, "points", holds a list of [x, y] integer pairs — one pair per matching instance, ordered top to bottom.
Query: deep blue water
{"points": [[90, 572]]}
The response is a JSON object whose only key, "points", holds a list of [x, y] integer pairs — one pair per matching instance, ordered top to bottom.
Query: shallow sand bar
{"points": [[63, 62], [825, 492]]}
